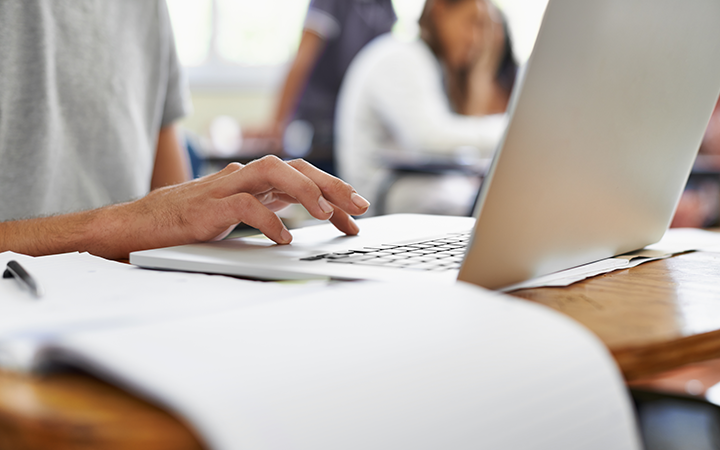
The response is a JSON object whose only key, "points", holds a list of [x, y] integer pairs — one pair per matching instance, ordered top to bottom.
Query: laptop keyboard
{"points": [[435, 255]]}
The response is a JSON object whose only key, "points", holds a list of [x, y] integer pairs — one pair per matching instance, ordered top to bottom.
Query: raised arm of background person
{"points": [[311, 45], [484, 95], [171, 160], [196, 211]]}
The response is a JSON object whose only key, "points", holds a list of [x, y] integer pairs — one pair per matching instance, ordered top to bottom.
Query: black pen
{"points": [[15, 270]]}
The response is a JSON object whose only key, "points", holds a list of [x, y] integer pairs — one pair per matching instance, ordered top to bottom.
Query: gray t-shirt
{"points": [[85, 86]]}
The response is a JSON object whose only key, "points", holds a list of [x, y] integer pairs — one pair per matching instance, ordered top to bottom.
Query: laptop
{"points": [[604, 128]]}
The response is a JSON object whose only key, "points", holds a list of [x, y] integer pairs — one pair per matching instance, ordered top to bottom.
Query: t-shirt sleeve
{"points": [[323, 18], [177, 95]]}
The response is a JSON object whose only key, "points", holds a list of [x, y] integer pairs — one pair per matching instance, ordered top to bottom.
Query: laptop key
{"points": [[438, 254], [314, 258], [352, 259], [423, 259], [372, 262]]}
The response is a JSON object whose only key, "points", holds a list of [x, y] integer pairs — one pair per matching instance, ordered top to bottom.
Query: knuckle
{"points": [[270, 161], [299, 163], [233, 167], [339, 185], [336, 186], [309, 188], [242, 203]]}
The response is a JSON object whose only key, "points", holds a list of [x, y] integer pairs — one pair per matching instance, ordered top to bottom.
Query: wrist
{"points": [[4, 229], [108, 232]]}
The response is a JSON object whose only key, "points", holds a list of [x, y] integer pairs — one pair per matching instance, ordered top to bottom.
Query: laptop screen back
{"points": [[604, 130]]}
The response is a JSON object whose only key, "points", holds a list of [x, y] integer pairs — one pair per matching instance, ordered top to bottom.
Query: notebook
{"points": [[603, 130], [358, 366]]}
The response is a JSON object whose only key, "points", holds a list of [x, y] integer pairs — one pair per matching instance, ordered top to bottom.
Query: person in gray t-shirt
{"points": [[85, 88], [89, 92]]}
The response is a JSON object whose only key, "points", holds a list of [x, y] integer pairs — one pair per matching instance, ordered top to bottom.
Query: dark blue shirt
{"points": [[346, 26]]}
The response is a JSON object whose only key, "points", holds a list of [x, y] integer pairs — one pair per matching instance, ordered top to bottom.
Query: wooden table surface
{"points": [[654, 317]]}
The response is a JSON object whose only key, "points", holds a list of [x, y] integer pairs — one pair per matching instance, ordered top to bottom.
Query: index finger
{"points": [[338, 192]]}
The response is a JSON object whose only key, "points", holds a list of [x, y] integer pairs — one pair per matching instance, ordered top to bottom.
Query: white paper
{"points": [[679, 240], [674, 242], [86, 292], [371, 366]]}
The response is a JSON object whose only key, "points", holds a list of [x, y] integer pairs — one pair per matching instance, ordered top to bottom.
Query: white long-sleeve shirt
{"points": [[393, 105]]}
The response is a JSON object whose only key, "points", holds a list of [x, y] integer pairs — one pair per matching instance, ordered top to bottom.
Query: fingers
{"points": [[228, 170], [272, 173], [272, 183], [334, 189], [276, 201], [246, 208], [344, 222]]}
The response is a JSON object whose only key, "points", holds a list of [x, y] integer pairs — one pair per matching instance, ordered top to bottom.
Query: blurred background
{"points": [[237, 53]]}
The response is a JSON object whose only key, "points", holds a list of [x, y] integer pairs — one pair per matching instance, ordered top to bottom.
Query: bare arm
{"points": [[311, 45], [484, 94], [171, 161], [195, 211]]}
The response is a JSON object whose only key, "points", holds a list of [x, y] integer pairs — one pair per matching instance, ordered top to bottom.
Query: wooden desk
{"points": [[655, 317]]}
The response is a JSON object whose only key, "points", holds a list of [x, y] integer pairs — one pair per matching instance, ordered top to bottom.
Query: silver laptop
{"points": [[603, 131]]}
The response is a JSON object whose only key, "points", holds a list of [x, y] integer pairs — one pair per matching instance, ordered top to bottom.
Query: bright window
{"points": [[524, 17], [192, 24], [259, 32]]}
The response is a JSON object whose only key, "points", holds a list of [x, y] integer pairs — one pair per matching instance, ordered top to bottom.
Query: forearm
{"points": [[308, 52], [290, 95], [425, 125], [111, 232], [49, 235]]}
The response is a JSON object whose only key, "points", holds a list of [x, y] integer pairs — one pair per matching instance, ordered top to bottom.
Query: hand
{"points": [[484, 96], [207, 208]]}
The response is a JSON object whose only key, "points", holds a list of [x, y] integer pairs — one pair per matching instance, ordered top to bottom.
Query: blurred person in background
{"points": [[334, 32], [440, 95], [700, 203]]}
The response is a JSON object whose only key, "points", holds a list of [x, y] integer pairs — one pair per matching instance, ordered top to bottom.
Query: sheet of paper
{"points": [[679, 240], [674, 242], [86, 292], [381, 366]]}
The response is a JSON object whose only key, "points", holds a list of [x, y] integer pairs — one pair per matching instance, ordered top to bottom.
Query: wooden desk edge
{"points": [[640, 362]]}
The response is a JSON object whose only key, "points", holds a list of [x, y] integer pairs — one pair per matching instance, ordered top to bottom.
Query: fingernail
{"points": [[359, 201], [325, 205], [355, 226], [285, 236]]}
